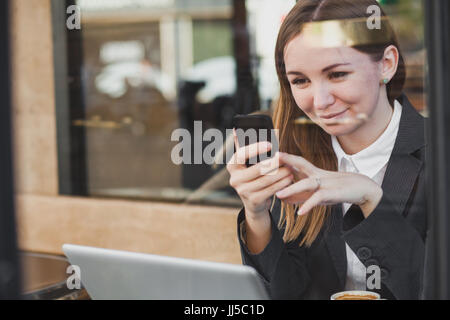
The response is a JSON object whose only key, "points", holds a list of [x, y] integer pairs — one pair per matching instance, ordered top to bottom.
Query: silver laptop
{"points": [[112, 274]]}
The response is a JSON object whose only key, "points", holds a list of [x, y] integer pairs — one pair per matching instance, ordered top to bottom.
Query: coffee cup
{"points": [[355, 295]]}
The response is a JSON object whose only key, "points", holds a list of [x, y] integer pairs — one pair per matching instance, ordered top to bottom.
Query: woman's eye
{"points": [[338, 75], [299, 82]]}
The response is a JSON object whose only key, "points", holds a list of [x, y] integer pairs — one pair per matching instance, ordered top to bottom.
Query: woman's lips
{"points": [[334, 115]]}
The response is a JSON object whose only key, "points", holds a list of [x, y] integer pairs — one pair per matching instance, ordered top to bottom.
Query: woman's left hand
{"points": [[321, 187]]}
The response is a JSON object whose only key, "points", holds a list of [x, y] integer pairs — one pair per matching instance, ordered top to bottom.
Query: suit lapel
{"points": [[403, 167], [401, 173], [335, 244]]}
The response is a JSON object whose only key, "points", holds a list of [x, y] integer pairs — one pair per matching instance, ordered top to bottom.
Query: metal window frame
{"points": [[437, 35], [69, 98], [69, 102], [9, 265]]}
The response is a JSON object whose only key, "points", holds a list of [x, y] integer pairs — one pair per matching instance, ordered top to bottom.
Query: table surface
{"points": [[44, 277]]}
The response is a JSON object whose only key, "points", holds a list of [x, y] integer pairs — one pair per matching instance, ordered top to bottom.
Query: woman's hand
{"points": [[256, 185], [321, 187]]}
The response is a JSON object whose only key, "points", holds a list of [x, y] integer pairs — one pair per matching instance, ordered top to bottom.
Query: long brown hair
{"points": [[311, 141]]}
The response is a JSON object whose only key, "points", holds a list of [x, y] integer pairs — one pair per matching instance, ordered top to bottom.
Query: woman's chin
{"points": [[340, 129]]}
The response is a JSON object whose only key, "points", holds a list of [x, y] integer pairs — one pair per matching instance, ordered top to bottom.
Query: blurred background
{"points": [[144, 68], [94, 109]]}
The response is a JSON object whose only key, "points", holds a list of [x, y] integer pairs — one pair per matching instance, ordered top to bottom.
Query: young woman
{"points": [[345, 208]]}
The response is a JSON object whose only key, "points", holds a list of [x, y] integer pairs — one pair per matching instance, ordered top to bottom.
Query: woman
{"points": [[349, 202]]}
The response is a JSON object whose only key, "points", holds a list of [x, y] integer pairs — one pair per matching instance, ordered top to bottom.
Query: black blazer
{"points": [[392, 237]]}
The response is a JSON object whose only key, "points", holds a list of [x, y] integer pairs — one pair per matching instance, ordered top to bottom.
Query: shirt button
{"points": [[364, 253], [372, 262]]}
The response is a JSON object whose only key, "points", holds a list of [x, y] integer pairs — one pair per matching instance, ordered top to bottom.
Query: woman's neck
{"points": [[370, 131]]}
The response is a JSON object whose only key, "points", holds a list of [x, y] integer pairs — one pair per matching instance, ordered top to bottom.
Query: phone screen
{"points": [[251, 129]]}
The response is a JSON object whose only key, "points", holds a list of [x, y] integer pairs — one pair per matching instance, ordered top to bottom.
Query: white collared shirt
{"points": [[372, 162]]}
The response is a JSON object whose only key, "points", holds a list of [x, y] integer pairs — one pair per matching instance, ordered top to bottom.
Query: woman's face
{"points": [[337, 88]]}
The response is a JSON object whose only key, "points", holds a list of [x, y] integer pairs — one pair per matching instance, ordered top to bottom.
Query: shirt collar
{"points": [[373, 158]]}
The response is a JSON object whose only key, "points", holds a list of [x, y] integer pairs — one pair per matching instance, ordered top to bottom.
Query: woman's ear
{"points": [[389, 64]]}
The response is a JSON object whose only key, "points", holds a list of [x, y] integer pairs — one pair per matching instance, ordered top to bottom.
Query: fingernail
{"points": [[280, 194]]}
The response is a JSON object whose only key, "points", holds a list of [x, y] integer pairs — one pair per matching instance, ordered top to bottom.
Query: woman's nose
{"points": [[322, 98]]}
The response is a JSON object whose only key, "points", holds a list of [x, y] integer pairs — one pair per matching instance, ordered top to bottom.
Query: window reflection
{"points": [[152, 66]]}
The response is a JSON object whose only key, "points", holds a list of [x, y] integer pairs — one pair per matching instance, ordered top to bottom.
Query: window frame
{"points": [[71, 140], [437, 262], [9, 286]]}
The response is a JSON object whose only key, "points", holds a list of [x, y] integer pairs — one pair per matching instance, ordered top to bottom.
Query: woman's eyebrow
{"points": [[334, 66], [298, 73]]}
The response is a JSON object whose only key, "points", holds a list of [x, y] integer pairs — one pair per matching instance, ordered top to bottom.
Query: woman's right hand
{"points": [[257, 184]]}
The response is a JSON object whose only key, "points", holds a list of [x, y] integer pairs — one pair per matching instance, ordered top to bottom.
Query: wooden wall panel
{"points": [[197, 232]]}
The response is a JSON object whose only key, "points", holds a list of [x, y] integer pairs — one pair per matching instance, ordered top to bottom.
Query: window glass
{"points": [[408, 21], [150, 68]]}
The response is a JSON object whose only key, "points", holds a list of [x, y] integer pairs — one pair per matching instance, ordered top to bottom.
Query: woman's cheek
{"points": [[350, 92], [360, 93], [302, 100]]}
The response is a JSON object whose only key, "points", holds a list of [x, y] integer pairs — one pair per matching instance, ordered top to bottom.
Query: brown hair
{"points": [[311, 141]]}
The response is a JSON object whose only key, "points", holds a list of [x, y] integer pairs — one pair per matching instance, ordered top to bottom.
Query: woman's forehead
{"points": [[329, 42], [300, 55]]}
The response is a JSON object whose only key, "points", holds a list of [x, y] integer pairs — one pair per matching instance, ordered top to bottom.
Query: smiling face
{"points": [[338, 88]]}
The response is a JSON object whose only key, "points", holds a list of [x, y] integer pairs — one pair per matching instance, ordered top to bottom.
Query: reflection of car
{"points": [[219, 74], [114, 78]]}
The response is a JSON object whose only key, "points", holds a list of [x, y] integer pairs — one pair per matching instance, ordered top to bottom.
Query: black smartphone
{"points": [[255, 128]]}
